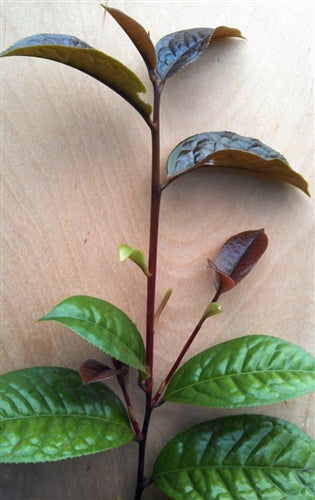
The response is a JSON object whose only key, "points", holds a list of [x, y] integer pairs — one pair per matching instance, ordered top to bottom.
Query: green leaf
{"points": [[137, 35], [69, 50], [176, 50], [227, 149], [126, 252], [211, 310], [103, 325], [247, 371], [47, 414], [242, 457]]}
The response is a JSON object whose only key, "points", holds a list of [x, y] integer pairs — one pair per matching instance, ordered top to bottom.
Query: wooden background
{"points": [[75, 184]]}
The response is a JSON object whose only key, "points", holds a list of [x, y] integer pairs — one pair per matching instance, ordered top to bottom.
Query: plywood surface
{"points": [[75, 184]]}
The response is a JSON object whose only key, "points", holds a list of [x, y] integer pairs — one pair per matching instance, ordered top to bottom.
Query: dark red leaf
{"points": [[137, 35], [237, 257], [93, 371]]}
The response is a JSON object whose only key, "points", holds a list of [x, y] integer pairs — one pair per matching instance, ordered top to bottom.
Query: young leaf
{"points": [[137, 35], [177, 49], [69, 50], [227, 149], [126, 252], [237, 257], [162, 306], [211, 310], [103, 325], [92, 370], [247, 371], [47, 414], [238, 457]]}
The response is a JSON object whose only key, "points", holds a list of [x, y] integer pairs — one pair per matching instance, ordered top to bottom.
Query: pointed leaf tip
{"points": [[137, 35], [227, 149]]}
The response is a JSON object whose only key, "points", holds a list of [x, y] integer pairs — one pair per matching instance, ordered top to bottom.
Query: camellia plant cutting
{"points": [[53, 413]]}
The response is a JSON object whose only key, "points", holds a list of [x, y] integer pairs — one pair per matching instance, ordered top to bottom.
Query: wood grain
{"points": [[75, 184]]}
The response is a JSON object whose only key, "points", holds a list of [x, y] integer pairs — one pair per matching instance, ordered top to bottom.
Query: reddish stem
{"points": [[156, 191], [154, 228]]}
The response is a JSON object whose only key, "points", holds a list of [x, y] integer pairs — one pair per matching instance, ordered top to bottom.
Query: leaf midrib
{"points": [[239, 375], [63, 415], [252, 467]]}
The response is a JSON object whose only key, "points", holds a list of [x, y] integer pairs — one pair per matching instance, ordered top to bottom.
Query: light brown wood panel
{"points": [[75, 184]]}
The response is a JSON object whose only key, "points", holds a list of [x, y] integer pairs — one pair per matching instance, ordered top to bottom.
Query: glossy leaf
{"points": [[137, 35], [69, 50], [176, 50], [227, 149], [127, 252], [237, 257], [103, 325], [92, 370], [247, 371], [47, 414], [237, 458]]}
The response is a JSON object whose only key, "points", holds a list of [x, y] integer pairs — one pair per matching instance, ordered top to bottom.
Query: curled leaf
{"points": [[137, 35], [177, 49], [69, 50], [227, 149], [126, 252], [237, 257], [211, 310], [94, 371]]}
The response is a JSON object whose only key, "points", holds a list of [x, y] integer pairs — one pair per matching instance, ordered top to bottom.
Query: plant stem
{"points": [[154, 229], [151, 282], [141, 482]]}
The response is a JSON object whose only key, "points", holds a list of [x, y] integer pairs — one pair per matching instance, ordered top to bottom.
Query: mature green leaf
{"points": [[137, 35], [177, 49], [69, 50], [227, 149], [126, 252], [237, 257], [103, 325], [247, 371], [48, 414], [242, 457]]}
